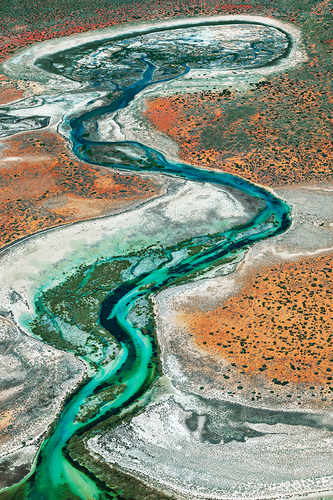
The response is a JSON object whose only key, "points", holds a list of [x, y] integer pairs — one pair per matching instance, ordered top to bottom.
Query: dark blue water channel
{"points": [[54, 475]]}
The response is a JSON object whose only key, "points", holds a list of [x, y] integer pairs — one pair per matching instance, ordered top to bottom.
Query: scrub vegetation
{"points": [[253, 133], [46, 186], [76, 302], [279, 326]]}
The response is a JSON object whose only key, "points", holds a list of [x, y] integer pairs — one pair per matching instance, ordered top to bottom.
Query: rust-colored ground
{"points": [[26, 22], [9, 93], [277, 133], [42, 186], [280, 326]]}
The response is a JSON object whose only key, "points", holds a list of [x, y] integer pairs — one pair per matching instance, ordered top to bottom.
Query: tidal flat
{"points": [[42, 261], [42, 266], [35, 380], [261, 425], [196, 438], [197, 448]]}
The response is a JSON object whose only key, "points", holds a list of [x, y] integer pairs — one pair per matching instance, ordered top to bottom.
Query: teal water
{"points": [[135, 368]]}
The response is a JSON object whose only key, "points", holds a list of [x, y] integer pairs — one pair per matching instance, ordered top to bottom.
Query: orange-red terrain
{"points": [[25, 22], [8, 91], [276, 133], [42, 185], [280, 326]]}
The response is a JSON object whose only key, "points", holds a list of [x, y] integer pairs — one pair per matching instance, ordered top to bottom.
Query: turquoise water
{"points": [[53, 476]]}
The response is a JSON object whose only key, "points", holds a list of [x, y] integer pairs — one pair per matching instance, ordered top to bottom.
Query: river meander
{"points": [[136, 366]]}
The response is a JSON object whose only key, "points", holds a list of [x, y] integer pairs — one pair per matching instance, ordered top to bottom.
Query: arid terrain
{"points": [[44, 186], [242, 404]]}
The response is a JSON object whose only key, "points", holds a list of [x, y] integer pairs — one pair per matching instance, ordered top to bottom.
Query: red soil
{"points": [[278, 133], [42, 185], [280, 325]]}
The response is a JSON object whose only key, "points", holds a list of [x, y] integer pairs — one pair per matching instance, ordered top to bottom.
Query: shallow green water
{"points": [[135, 368]]}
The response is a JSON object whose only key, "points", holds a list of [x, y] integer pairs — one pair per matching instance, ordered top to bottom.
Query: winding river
{"points": [[54, 476]]}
